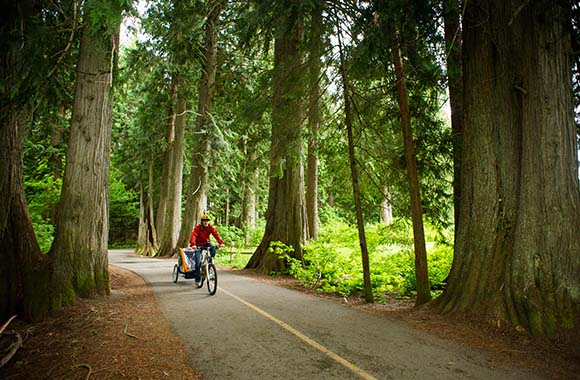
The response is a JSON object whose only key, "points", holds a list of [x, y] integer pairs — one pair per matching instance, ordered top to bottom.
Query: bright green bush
{"points": [[43, 196], [123, 213], [44, 232], [231, 234], [255, 234], [236, 260], [333, 263]]}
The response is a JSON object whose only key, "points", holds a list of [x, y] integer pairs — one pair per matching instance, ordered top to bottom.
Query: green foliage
{"points": [[43, 195], [123, 212], [44, 232], [231, 234], [255, 234], [235, 260], [333, 263]]}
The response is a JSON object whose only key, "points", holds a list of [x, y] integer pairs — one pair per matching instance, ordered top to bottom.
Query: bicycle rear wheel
{"points": [[211, 279]]}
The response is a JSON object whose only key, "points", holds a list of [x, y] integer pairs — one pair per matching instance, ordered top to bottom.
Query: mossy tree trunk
{"points": [[285, 212], [518, 246], [19, 250], [79, 251], [22, 268]]}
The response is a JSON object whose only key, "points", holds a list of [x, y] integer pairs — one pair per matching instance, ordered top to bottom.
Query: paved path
{"points": [[254, 330]]}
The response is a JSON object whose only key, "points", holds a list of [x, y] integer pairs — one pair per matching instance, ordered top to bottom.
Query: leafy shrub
{"points": [[43, 196], [123, 213], [44, 232], [231, 234], [255, 234], [235, 260], [333, 263]]}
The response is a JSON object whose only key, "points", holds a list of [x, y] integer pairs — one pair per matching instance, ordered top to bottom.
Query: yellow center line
{"points": [[306, 339]]}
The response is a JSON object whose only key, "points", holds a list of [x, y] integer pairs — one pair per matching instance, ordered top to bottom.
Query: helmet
{"points": [[204, 217]]}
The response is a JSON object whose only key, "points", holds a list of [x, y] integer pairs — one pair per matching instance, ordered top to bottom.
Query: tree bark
{"points": [[453, 41], [313, 123], [168, 156], [249, 175], [196, 203], [173, 204], [386, 213], [284, 216], [147, 238], [79, 251], [20, 257], [516, 257], [22, 270], [421, 271]]}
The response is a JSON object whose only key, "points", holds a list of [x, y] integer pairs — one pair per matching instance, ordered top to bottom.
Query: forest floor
{"points": [[125, 336]]}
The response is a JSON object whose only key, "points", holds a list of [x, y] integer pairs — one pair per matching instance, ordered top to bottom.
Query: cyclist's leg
{"points": [[212, 249], [197, 274]]}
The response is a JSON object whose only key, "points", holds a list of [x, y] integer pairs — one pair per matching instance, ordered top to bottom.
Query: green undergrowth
{"points": [[332, 264]]}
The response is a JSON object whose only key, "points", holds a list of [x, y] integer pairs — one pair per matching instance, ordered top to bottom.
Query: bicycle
{"points": [[185, 267], [208, 272]]}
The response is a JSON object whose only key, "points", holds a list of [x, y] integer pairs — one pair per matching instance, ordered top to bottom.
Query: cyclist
{"points": [[199, 239]]}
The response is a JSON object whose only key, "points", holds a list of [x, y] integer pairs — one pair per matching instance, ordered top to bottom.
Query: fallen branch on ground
{"points": [[6, 324], [126, 333], [11, 350], [87, 367]]}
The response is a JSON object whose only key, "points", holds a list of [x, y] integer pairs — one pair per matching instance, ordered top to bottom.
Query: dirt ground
{"points": [[125, 336]]}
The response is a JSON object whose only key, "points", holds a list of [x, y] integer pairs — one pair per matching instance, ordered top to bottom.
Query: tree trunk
{"points": [[453, 41], [313, 123], [168, 156], [249, 175], [354, 176], [196, 203], [173, 204], [386, 212], [284, 216], [147, 238], [79, 252], [20, 257], [516, 257], [421, 271], [22, 273]]}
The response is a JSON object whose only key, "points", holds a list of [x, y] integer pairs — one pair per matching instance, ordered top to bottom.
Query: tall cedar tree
{"points": [[314, 73], [168, 155], [198, 183], [284, 216], [172, 218], [518, 247], [79, 252], [20, 258]]}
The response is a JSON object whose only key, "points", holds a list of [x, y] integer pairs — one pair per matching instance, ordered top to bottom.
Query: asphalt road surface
{"points": [[253, 330]]}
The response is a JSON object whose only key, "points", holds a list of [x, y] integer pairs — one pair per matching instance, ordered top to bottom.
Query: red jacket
{"points": [[200, 235]]}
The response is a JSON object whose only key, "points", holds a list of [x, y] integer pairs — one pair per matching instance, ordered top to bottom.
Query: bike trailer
{"points": [[186, 262]]}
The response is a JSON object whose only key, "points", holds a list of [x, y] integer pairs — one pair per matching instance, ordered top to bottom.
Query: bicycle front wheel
{"points": [[175, 274], [211, 279]]}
